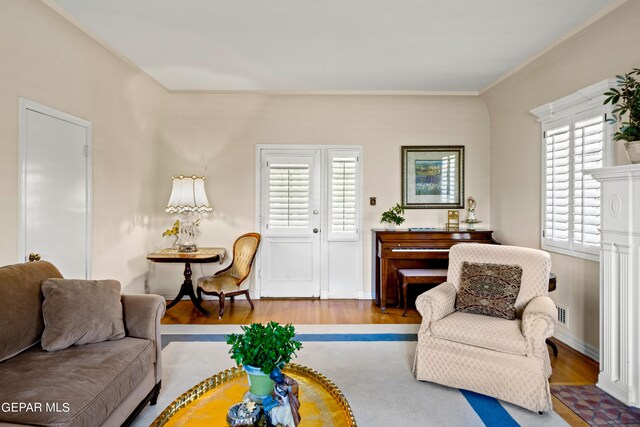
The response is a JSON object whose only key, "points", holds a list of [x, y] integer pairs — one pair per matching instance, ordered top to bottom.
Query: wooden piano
{"points": [[424, 248]]}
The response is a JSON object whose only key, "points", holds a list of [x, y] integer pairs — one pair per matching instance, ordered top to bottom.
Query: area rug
{"points": [[372, 368], [595, 406]]}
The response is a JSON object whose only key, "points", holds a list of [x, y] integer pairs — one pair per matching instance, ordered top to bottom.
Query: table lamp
{"points": [[189, 200]]}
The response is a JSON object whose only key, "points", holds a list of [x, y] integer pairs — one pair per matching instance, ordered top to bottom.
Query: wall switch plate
{"points": [[372, 201]]}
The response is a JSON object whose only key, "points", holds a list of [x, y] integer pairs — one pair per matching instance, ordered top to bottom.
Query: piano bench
{"points": [[418, 276]]}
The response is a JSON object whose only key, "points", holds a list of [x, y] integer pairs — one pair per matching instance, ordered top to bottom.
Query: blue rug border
{"points": [[489, 409]]}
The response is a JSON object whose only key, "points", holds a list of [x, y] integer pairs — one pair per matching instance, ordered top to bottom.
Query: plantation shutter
{"points": [[576, 139], [588, 148], [557, 174], [449, 190], [343, 194], [289, 196], [572, 199]]}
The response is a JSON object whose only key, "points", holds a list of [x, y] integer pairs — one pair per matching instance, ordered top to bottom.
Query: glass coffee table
{"points": [[206, 404]]}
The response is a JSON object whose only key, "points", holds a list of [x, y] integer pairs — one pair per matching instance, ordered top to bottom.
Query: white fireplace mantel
{"points": [[620, 282]]}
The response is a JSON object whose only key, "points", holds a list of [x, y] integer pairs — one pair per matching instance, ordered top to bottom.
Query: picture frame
{"points": [[433, 177]]}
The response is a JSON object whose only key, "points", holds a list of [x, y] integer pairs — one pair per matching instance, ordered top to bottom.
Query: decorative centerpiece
{"points": [[626, 99], [471, 214], [393, 217], [261, 349], [283, 407], [245, 413]]}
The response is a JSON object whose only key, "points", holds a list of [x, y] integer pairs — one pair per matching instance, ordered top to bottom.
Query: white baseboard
{"points": [[341, 295], [365, 295], [170, 297], [588, 350]]}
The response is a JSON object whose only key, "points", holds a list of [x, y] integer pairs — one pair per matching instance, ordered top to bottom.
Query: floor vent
{"points": [[562, 315]]}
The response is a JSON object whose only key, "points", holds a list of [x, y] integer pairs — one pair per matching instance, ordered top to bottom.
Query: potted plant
{"points": [[626, 99], [393, 217], [260, 349]]}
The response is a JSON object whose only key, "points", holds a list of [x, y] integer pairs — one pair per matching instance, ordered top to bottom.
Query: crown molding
{"points": [[330, 92]]}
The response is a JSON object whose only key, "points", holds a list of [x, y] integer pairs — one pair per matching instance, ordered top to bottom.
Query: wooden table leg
{"points": [[383, 285], [187, 289], [405, 291]]}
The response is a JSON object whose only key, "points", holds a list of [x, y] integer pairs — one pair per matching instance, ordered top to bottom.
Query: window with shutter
{"points": [[575, 138], [289, 192], [343, 194], [571, 199]]}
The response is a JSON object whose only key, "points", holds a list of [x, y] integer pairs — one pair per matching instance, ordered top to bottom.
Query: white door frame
{"points": [[24, 106], [324, 273]]}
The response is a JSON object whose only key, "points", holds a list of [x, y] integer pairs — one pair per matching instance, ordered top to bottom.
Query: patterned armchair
{"points": [[232, 280], [506, 359]]}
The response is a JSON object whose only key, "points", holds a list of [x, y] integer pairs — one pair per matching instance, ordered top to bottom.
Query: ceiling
{"points": [[328, 45]]}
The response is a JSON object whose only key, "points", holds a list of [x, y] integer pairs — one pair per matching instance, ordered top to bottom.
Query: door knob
{"points": [[315, 230], [34, 257]]}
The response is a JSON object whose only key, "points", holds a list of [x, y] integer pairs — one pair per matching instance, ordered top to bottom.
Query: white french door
{"points": [[55, 188], [290, 220]]}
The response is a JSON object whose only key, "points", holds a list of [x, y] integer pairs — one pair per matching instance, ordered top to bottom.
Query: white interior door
{"points": [[55, 188], [290, 223]]}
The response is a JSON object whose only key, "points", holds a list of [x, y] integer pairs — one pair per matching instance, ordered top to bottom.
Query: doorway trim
{"points": [[25, 105], [324, 267]]}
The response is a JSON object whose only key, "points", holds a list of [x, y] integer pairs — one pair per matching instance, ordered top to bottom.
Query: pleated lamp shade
{"points": [[188, 195]]}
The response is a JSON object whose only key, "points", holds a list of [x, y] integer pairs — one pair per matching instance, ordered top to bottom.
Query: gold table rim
{"points": [[227, 375]]}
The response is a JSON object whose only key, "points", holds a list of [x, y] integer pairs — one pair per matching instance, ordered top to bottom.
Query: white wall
{"points": [[608, 47], [48, 60], [215, 135]]}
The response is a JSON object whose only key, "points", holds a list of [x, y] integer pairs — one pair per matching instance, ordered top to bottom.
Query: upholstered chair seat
{"points": [[232, 280], [222, 283], [487, 332], [506, 358]]}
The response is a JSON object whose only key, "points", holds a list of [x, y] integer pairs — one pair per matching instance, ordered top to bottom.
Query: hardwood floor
{"points": [[296, 311], [569, 368]]}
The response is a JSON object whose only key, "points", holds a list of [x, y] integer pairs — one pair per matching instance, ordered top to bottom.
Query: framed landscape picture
{"points": [[433, 177]]}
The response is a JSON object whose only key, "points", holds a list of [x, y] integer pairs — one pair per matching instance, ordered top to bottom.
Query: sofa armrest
{"points": [[435, 304], [142, 314], [539, 321]]}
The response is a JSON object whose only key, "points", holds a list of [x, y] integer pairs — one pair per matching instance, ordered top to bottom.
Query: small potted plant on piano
{"points": [[393, 217]]}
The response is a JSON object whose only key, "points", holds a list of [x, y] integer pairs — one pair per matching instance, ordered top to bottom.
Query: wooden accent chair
{"points": [[231, 281], [506, 359]]}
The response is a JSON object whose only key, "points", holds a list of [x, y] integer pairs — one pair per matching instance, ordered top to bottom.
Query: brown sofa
{"points": [[105, 383]]}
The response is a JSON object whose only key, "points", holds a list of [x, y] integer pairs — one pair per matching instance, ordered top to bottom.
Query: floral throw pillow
{"points": [[489, 289]]}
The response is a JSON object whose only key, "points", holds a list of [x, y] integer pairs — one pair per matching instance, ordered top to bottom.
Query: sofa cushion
{"points": [[489, 289], [22, 307], [80, 312], [488, 332], [84, 383]]}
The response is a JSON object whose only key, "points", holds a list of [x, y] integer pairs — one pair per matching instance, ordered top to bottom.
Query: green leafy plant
{"points": [[626, 99], [393, 215], [264, 346]]}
